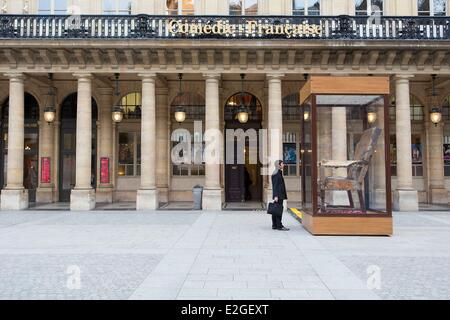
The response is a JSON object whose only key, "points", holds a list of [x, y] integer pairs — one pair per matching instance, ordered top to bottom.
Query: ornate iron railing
{"points": [[223, 27]]}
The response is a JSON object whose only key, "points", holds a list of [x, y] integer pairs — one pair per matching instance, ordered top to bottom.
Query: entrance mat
{"points": [[244, 206], [298, 215]]}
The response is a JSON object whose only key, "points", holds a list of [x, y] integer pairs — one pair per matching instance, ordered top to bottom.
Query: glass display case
{"points": [[345, 158]]}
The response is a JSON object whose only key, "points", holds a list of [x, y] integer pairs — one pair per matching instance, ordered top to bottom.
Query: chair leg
{"points": [[350, 199], [361, 201]]}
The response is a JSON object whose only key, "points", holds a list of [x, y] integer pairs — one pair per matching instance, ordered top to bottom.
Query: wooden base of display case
{"points": [[348, 226]]}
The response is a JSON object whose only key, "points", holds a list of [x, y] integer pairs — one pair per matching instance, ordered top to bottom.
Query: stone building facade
{"points": [[84, 158]]}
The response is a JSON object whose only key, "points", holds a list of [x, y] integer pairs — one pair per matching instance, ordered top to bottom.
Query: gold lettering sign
{"points": [[247, 29]]}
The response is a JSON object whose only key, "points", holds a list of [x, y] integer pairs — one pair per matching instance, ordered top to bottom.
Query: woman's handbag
{"points": [[275, 208]]}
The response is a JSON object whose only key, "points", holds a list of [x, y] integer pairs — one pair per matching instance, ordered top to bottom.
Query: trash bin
{"points": [[198, 194]]}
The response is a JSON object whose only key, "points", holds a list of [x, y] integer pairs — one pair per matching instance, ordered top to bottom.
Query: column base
{"points": [[44, 195], [104, 195], [163, 195], [439, 196], [14, 199], [212, 199], [82, 200], [147, 200], [406, 200]]}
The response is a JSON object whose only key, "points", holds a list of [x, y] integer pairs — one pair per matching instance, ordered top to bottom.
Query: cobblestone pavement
{"points": [[216, 255]]}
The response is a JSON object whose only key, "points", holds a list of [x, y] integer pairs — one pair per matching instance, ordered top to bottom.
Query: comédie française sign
{"points": [[250, 28]]}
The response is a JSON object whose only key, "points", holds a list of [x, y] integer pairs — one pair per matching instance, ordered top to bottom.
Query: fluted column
{"points": [[274, 126], [162, 144], [105, 153], [436, 178], [212, 195], [14, 196], [147, 196], [405, 196], [82, 197]]}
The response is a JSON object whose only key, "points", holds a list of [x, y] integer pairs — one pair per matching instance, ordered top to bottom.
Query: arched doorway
{"points": [[67, 148], [31, 151], [243, 180]]}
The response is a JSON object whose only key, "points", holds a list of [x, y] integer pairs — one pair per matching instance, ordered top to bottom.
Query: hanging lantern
{"points": [[50, 106], [117, 112], [180, 113], [242, 113], [435, 113], [306, 116], [371, 116], [436, 116]]}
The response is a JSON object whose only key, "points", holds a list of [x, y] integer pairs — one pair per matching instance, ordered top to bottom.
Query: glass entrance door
{"points": [[67, 162]]}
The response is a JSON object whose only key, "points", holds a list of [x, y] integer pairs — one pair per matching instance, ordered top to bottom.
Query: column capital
{"points": [[83, 75], [15, 76], [148, 76], [212, 76], [274, 76], [403, 76]]}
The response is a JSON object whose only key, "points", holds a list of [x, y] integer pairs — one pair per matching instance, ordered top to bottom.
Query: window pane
{"points": [[60, 6], [109, 6], [377, 6], [45, 7], [124, 7], [172, 7], [188, 7], [235, 7], [251, 7], [298, 7], [361, 7], [423, 7], [440, 7], [314, 8], [126, 153]]}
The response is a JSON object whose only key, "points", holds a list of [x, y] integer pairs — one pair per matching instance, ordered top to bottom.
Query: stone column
{"points": [[274, 126], [162, 144], [339, 149], [436, 178], [44, 192], [104, 192], [212, 194], [147, 195], [14, 196], [82, 197], [405, 197]]}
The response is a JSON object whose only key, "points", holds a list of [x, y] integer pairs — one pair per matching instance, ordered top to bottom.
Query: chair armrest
{"points": [[339, 163]]}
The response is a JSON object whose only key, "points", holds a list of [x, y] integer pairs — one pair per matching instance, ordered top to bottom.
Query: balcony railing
{"points": [[223, 27]]}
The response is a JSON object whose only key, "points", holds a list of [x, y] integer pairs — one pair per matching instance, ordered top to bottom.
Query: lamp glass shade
{"points": [[306, 115], [49, 116], [117, 116], [180, 116], [242, 116], [435, 116], [371, 117]]}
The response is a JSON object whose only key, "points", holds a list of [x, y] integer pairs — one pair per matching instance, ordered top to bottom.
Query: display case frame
{"points": [[316, 218]]}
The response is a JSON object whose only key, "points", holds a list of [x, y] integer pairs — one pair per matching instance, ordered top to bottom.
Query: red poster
{"points": [[45, 170], [104, 170]]}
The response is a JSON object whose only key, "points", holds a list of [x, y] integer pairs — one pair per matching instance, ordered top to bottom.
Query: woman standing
{"points": [[279, 193]]}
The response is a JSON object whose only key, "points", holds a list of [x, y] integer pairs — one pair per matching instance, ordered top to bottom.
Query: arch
{"points": [[249, 100], [192, 103], [131, 104], [446, 108], [31, 109], [68, 109]]}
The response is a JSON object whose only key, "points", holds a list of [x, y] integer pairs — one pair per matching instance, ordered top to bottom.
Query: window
{"points": [[52, 7], [119, 7], [180, 7], [243, 7], [306, 7], [368, 7], [431, 7], [131, 105], [446, 109], [417, 110], [446, 150], [129, 154], [291, 154], [416, 155]]}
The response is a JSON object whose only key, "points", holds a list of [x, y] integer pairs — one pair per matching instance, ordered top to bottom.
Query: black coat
{"points": [[278, 186]]}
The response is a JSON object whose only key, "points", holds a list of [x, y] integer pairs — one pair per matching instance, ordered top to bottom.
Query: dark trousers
{"points": [[276, 221]]}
